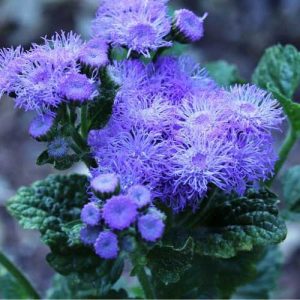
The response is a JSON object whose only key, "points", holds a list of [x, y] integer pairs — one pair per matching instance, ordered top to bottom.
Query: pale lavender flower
{"points": [[139, 25], [187, 26], [62, 49], [95, 53], [11, 60], [128, 74], [254, 108], [41, 125], [199, 162], [105, 184], [140, 195], [119, 212], [151, 227], [106, 245]]}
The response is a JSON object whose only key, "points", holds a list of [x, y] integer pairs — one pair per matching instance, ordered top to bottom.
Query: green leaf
{"points": [[279, 67], [223, 73], [291, 109], [44, 159], [291, 189], [240, 224], [168, 263], [267, 273], [212, 278], [9, 287], [72, 287]]}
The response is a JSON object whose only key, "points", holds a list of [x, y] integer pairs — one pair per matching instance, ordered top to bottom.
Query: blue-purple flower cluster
{"points": [[173, 131], [176, 132], [115, 217]]}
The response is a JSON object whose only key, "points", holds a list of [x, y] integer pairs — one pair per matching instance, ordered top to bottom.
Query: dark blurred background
{"points": [[237, 31]]}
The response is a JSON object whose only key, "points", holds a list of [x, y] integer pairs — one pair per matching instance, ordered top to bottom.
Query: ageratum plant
{"points": [[181, 160]]}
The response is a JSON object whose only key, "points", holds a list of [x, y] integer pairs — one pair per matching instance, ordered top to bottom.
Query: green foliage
{"points": [[279, 69], [223, 73], [291, 109], [61, 164], [291, 189], [53, 207], [239, 224], [220, 252], [168, 262], [267, 273], [212, 278], [9, 287], [76, 287]]}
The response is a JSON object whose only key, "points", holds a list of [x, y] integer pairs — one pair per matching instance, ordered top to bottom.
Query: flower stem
{"points": [[84, 121], [287, 146], [17, 274], [146, 283]]}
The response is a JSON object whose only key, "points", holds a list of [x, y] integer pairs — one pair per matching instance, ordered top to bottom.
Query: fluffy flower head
{"points": [[140, 25], [119, 212], [91, 214], [151, 227], [106, 245]]}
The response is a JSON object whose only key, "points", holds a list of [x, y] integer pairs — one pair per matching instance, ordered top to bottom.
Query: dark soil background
{"points": [[236, 30]]}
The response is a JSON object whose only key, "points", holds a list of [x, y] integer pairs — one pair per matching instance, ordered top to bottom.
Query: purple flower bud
{"points": [[188, 27], [94, 53], [78, 87], [41, 126], [58, 148], [105, 185], [140, 195], [119, 212], [91, 214], [151, 227], [89, 234], [106, 245]]}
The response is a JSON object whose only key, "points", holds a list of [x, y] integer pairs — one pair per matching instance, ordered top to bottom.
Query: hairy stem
{"points": [[287, 146], [17, 274], [146, 283]]}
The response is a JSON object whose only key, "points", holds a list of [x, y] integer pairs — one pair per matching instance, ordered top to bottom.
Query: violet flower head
{"points": [[139, 25], [187, 26], [61, 50], [95, 53], [11, 61], [128, 74], [37, 86], [77, 87], [254, 109], [41, 125], [58, 147], [137, 155], [199, 162], [105, 184], [140, 195], [119, 212], [91, 214], [151, 227], [89, 234], [106, 245]]}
